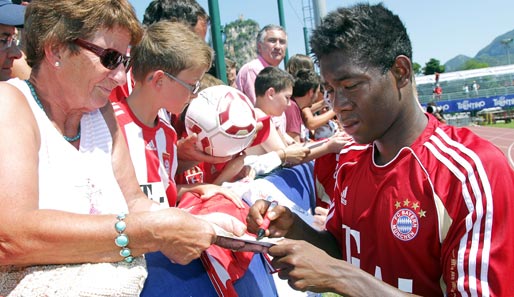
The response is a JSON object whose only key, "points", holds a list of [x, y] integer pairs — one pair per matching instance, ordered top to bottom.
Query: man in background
{"points": [[271, 50]]}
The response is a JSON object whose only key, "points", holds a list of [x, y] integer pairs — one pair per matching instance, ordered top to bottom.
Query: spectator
{"points": [[188, 12], [11, 15], [271, 50], [185, 59], [169, 60], [298, 62], [475, 86], [274, 88], [465, 89], [305, 91], [438, 92], [436, 111], [314, 115], [76, 201], [418, 207]]}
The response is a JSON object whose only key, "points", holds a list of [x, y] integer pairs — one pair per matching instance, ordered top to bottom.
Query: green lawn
{"points": [[502, 125]]}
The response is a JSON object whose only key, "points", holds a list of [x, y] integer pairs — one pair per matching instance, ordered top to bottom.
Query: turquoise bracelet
{"points": [[122, 239]]}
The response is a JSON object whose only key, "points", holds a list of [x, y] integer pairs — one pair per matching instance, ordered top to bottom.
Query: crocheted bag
{"points": [[118, 279]]}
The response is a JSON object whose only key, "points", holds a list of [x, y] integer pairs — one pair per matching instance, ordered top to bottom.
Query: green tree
{"points": [[241, 40], [474, 64], [432, 67], [416, 68]]}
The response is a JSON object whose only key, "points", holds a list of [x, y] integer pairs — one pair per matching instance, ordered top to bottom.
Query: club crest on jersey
{"points": [[166, 160], [405, 221]]}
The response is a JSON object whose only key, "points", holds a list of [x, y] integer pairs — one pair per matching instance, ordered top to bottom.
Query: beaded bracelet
{"points": [[122, 239]]}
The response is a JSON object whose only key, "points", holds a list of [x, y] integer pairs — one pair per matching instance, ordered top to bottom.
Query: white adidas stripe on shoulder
{"points": [[354, 147], [454, 153]]}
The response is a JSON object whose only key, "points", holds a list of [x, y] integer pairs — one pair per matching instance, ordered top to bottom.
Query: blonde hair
{"points": [[61, 22], [170, 46], [209, 80]]}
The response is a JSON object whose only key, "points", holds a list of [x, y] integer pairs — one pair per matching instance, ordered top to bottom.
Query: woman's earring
{"points": [[57, 64]]}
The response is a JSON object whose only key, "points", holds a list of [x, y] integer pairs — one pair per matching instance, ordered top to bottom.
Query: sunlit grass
{"points": [[501, 125]]}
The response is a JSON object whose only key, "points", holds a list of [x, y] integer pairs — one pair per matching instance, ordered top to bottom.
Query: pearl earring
{"points": [[57, 64]]}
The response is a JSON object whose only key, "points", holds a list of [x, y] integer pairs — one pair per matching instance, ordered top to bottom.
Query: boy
{"points": [[167, 66]]}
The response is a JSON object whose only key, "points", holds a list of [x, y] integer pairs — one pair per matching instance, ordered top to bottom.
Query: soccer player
{"points": [[418, 206]]}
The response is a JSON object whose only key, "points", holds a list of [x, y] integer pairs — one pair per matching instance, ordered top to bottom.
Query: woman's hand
{"points": [[183, 237]]}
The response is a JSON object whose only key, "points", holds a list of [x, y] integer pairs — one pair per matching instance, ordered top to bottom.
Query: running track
{"points": [[503, 138]]}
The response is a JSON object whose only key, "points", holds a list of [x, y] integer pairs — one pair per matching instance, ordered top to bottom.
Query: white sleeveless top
{"points": [[79, 181]]}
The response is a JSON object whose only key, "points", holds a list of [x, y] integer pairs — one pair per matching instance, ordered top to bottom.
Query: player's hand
{"points": [[187, 150], [281, 219], [304, 266]]}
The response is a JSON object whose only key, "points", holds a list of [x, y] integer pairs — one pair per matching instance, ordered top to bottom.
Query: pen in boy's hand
{"points": [[266, 221]]}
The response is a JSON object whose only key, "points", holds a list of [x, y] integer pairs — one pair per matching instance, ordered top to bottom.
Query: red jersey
{"points": [[153, 153], [324, 169], [436, 219]]}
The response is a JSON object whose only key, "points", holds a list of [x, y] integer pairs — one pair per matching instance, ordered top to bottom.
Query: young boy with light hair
{"points": [[168, 65]]}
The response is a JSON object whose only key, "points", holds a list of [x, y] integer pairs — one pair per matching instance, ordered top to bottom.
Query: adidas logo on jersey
{"points": [[151, 146], [343, 196]]}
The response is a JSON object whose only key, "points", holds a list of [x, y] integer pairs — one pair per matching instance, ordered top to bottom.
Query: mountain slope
{"points": [[494, 54]]}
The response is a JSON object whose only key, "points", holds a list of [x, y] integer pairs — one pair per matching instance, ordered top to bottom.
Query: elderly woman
{"points": [[70, 193]]}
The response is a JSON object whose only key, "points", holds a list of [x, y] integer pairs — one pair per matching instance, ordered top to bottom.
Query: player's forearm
{"points": [[349, 280]]}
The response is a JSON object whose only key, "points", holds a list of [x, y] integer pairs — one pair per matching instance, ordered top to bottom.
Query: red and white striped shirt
{"points": [[153, 152], [436, 219]]}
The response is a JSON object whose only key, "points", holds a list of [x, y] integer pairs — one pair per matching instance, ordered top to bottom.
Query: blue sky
{"points": [[439, 29]]}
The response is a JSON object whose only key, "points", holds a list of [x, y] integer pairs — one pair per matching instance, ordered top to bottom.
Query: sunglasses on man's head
{"points": [[109, 58]]}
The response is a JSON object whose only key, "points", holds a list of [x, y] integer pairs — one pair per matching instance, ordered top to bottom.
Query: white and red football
{"points": [[224, 120]]}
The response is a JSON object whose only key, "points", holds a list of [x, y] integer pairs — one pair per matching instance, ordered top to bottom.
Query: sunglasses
{"points": [[8, 42], [109, 58], [192, 88]]}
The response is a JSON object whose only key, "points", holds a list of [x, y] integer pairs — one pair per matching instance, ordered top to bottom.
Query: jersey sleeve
{"points": [[480, 240]]}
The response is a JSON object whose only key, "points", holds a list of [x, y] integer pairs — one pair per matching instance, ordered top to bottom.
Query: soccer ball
{"points": [[224, 120]]}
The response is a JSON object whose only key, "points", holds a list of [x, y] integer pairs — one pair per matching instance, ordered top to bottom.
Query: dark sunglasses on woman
{"points": [[110, 58]]}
